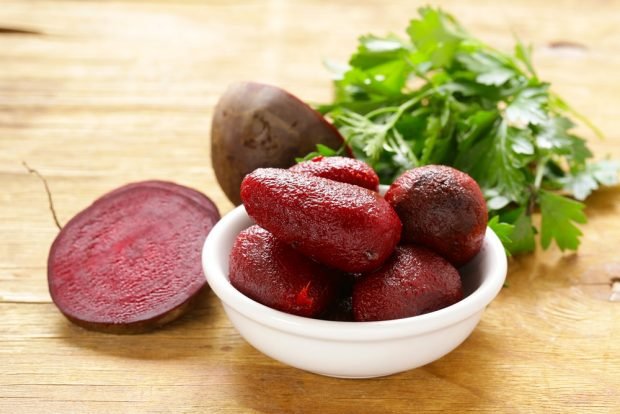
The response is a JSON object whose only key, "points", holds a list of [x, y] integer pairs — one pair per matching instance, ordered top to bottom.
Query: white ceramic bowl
{"points": [[352, 349]]}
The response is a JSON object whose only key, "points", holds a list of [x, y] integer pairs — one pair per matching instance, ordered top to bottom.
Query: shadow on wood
{"points": [[178, 339]]}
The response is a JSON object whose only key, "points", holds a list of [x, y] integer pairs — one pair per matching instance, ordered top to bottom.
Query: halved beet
{"points": [[256, 125], [189, 192], [130, 262]]}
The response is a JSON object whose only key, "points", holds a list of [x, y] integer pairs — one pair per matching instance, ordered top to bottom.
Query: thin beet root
{"points": [[130, 262]]}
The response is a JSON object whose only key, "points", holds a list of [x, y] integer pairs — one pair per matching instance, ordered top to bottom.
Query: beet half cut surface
{"points": [[188, 192], [130, 262]]}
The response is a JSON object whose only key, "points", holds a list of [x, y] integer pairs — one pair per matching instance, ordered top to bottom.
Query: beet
{"points": [[256, 125], [343, 169], [191, 193], [441, 208], [343, 226], [130, 262], [276, 275], [414, 281]]}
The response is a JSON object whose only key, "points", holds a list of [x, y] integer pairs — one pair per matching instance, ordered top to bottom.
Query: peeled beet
{"points": [[256, 125], [345, 170], [441, 208], [343, 226], [130, 262], [274, 274], [414, 281]]}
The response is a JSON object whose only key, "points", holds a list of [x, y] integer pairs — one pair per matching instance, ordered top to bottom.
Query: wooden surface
{"points": [[97, 94]]}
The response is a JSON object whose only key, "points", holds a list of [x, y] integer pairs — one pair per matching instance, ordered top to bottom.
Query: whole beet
{"points": [[256, 125], [345, 170], [441, 208], [340, 225], [274, 274], [414, 281]]}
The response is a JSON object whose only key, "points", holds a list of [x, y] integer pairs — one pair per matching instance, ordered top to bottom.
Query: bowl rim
{"points": [[217, 277]]}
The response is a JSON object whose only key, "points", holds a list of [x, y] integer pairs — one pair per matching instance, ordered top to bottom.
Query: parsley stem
{"points": [[406, 105], [381, 111], [540, 170]]}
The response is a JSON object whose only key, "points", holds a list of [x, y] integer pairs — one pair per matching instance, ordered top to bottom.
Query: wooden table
{"points": [[97, 94]]}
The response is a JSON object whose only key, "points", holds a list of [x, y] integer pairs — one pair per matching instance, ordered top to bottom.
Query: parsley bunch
{"points": [[442, 96]]}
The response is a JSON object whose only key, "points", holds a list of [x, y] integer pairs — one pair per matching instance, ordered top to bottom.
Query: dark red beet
{"points": [[256, 125], [345, 170], [191, 193], [441, 208], [343, 226], [131, 261], [274, 274], [414, 281]]}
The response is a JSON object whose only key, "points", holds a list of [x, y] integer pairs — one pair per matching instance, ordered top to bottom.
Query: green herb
{"points": [[442, 96], [321, 150], [558, 215], [502, 230]]}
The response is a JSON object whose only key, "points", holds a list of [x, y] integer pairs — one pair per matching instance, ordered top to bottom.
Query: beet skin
{"points": [[256, 125], [441, 208]]}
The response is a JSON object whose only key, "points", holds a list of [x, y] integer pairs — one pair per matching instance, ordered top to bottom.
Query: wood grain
{"points": [[97, 94]]}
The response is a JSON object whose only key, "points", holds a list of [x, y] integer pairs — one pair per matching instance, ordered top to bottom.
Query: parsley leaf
{"points": [[436, 35], [375, 51], [489, 69], [528, 107], [553, 136], [321, 150], [496, 162], [582, 182], [559, 215], [503, 231], [523, 233]]}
